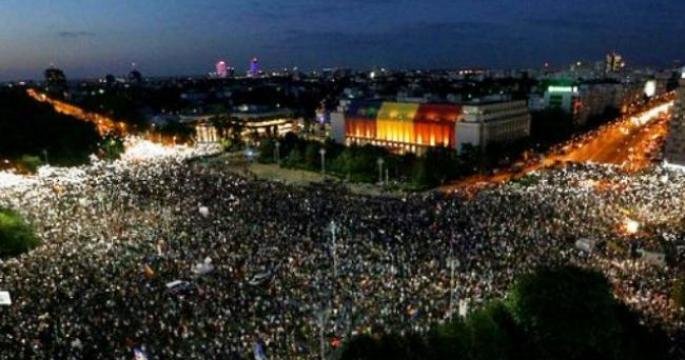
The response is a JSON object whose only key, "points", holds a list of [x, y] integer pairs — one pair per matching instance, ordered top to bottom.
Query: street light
{"points": [[249, 154], [323, 161], [380, 170], [333, 227], [453, 263], [322, 316]]}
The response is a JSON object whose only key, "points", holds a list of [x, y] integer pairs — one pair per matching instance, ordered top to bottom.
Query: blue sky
{"points": [[170, 37]]}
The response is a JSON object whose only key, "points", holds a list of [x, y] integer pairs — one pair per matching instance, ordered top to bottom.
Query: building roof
{"points": [[364, 109], [398, 111], [403, 111], [438, 112]]}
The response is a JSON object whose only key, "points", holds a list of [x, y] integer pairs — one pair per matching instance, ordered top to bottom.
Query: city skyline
{"points": [[182, 37], [350, 180]]}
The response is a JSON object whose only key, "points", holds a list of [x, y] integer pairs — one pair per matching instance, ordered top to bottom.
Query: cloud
{"points": [[297, 9], [74, 34], [420, 44]]}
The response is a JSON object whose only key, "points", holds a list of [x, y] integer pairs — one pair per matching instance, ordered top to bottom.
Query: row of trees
{"points": [[360, 163], [554, 313]]}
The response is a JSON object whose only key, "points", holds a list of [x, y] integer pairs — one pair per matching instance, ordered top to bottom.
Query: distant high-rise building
{"points": [[614, 63], [254, 68], [221, 69], [55, 81], [675, 145]]}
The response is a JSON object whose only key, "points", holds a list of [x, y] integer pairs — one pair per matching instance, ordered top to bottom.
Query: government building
{"points": [[414, 127]]}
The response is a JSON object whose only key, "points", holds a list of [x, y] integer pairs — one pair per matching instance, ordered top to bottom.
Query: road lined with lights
{"points": [[103, 124], [631, 142]]}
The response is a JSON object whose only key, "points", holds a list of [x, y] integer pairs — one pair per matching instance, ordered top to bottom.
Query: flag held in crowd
{"points": [[204, 267], [5, 299], [260, 350], [139, 354]]}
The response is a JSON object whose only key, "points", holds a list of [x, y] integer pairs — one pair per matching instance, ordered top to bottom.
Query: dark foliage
{"points": [[34, 129], [16, 235], [563, 313]]}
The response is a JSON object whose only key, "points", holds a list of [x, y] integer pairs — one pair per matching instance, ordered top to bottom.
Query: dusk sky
{"points": [[90, 38]]}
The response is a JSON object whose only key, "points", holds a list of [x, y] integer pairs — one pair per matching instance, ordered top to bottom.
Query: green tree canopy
{"points": [[112, 147], [267, 148], [16, 235], [560, 313], [568, 313]]}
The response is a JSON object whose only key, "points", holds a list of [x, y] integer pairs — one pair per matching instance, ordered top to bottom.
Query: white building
{"points": [[254, 122], [493, 122]]}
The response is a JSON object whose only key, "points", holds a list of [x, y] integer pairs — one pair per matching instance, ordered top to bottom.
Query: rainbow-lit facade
{"points": [[404, 127]]}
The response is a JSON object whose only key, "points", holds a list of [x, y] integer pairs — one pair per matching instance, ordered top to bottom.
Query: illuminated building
{"points": [[614, 63], [254, 68], [221, 70], [650, 88], [561, 96], [585, 100], [255, 121], [264, 121], [490, 122], [401, 127], [675, 145]]}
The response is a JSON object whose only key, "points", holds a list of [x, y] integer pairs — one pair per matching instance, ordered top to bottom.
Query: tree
{"points": [[28, 127], [177, 130], [112, 147], [267, 147], [312, 156], [294, 158], [470, 159], [29, 163], [341, 163], [442, 164], [421, 176], [16, 235], [678, 292], [561, 313], [567, 313], [488, 338], [637, 340], [448, 341], [386, 346], [361, 347]]}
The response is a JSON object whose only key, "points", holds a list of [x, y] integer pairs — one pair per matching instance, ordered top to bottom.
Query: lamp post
{"points": [[323, 161], [380, 170], [333, 227], [454, 262], [322, 316]]}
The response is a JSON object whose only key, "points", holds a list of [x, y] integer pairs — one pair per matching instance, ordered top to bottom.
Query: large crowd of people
{"points": [[178, 258]]}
